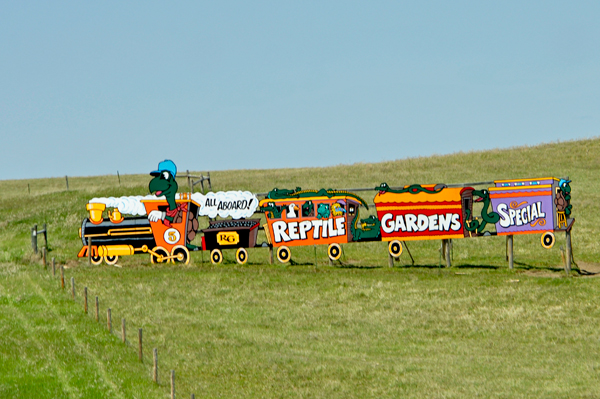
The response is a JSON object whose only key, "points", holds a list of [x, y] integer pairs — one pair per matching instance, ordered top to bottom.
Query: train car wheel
{"points": [[548, 240], [395, 248], [334, 251], [181, 254], [284, 254], [159, 255], [216, 256], [241, 256], [111, 260]]}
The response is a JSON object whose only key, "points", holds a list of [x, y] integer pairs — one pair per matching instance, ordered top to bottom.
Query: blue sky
{"points": [[89, 88]]}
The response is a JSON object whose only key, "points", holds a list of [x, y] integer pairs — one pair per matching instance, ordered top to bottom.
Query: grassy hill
{"points": [[357, 330]]}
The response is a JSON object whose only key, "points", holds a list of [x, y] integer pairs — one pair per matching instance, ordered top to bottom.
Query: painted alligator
{"points": [[412, 189], [277, 193], [275, 210], [486, 216], [369, 228]]}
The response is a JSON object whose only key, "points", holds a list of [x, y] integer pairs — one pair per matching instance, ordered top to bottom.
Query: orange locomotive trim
{"points": [[162, 232], [83, 251]]}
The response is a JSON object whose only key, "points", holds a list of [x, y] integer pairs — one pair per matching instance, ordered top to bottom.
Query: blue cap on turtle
{"points": [[167, 165], [563, 181]]}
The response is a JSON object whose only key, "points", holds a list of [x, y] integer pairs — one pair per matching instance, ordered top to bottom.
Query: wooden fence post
{"points": [[67, 181], [45, 230], [34, 238], [89, 250], [509, 250], [569, 251], [446, 252], [390, 260], [62, 277], [73, 287], [85, 302], [97, 310], [108, 320], [123, 329], [140, 352], [155, 366], [172, 384]]}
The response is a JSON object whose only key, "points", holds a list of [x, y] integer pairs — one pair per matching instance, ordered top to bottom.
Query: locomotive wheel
{"points": [[548, 240], [395, 248], [334, 251], [181, 254], [284, 254], [160, 256], [216, 256], [241, 256], [96, 260], [111, 260]]}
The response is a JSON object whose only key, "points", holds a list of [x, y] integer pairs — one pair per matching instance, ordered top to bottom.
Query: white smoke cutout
{"points": [[234, 204], [131, 205]]}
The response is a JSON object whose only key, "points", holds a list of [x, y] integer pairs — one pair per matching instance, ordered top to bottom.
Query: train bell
{"points": [[96, 210]]}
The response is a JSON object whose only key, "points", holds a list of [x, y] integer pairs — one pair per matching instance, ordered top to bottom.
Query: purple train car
{"points": [[529, 206]]}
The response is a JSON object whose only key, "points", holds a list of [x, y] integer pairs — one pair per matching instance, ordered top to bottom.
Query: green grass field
{"points": [[359, 329]]}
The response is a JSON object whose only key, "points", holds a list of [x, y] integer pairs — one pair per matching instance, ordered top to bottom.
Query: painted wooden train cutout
{"points": [[165, 225]]}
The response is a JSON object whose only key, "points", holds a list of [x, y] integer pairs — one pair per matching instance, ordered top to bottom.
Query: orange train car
{"points": [[425, 213], [310, 220]]}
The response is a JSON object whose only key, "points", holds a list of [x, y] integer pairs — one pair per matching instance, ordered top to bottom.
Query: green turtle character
{"points": [[164, 184], [562, 199]]}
